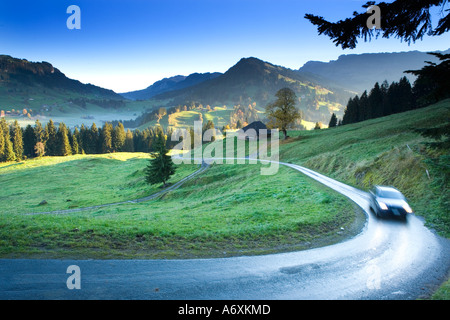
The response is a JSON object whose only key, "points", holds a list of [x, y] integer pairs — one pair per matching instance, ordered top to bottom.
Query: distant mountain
{"points": [[360, 72], [20, 75], [253, 80], [170, 84], [47, 91]]}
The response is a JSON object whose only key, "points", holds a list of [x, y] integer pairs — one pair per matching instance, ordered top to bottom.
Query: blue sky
{"points": [[129, 44]]}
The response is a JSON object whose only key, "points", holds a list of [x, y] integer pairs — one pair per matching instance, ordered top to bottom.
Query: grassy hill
{"points": [[384, 151], [229, 209]]}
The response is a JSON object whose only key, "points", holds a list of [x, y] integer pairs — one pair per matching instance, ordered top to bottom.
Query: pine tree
{"points": [[407, 20], [432, 83], [405, 91], [375, 102], [363, 107], [351, 114], [333, 121], [39, 132], [50, 137], [118, 137], [83, 138], [106, 138], [89, 139], [17, 140], [29, 142], [75, 142], [2, 144], [63, 144], [94, 144], [128, 145], [8, 152], [161, 167]]}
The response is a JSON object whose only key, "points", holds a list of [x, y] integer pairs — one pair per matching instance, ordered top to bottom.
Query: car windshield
{"points": [[390, 194]]}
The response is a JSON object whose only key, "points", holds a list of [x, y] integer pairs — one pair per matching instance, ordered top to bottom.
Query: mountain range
{"points": [[359, 72], [21, 76], [252, 80], [170, 84], [322, 88]]}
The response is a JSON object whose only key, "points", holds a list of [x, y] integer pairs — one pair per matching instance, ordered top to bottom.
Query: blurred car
{"points": [[388, 201]]}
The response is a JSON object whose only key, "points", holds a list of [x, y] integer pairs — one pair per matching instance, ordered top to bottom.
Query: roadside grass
{"points": [[383, 151], [76, 181], [228, 210], [443, 293]]}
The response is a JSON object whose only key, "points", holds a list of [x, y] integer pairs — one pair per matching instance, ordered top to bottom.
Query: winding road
{"points": [[387, 260]]}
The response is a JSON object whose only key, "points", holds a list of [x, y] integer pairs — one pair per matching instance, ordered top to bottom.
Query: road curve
{"points": [[387, 260]]}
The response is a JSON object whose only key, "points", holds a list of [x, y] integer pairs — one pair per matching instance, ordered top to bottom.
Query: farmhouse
{"points": [[255, 130]]}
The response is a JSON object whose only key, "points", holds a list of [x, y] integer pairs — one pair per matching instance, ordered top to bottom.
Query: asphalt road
{"points": [[387, 260]]}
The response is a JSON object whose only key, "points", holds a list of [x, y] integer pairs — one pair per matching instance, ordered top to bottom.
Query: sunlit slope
{"points": [[384, 151]]}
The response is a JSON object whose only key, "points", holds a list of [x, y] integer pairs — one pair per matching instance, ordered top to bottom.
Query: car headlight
{"points": [[382, 205], [407, 208]]}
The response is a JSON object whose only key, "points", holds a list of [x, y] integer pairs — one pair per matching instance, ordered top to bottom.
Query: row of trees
{"points": [[432, 85], [383, 100], [17, 143]]}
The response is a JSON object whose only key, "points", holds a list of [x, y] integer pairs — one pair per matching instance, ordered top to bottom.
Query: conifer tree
{"points": [[404, 19], [375, 102], [333, 121], [39, 132], [50, 137], [118, 137], [106, 138], [17, 140], [93, 140], [29, 141], [2, 144], [63, 144], [128, 145], [76, 148], [8, 152], [161, 167]]}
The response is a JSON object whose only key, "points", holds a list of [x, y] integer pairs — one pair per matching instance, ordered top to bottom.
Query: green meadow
{"points": [[228, 210]]}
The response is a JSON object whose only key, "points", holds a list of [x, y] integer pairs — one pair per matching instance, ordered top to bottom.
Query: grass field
{"points": [[76, 181], [229, 209]]}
